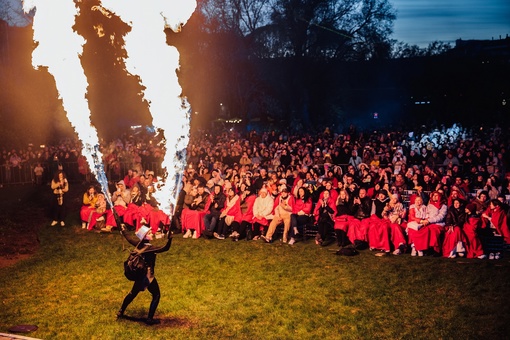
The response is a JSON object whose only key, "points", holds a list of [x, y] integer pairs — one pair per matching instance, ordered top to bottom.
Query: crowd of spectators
{"points": [[38, 163], [365, 176], [427, 192]]}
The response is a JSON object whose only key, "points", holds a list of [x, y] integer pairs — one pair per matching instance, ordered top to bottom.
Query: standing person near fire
{"points": [[60, 186], [149, 281]]}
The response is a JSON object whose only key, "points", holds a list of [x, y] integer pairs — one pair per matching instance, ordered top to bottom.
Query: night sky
{"points": [[419, 22]]}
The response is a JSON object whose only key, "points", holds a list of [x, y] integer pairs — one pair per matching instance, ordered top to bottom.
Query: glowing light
{"points": [[59, 49], [155, 62]]}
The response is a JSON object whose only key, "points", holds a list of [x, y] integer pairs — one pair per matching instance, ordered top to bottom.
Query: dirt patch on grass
{"points": [[24, 209]]}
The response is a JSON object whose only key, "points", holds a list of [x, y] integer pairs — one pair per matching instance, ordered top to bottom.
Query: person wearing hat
{"points": [[120, 198], [481, 202], [282, 211], [379, 226], [149, 281]]}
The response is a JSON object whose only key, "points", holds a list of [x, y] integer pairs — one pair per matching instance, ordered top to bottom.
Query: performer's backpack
{"points": [[135, 267]]}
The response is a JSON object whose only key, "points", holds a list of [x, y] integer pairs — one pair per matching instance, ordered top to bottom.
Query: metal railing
{"points": [[24, 174]]}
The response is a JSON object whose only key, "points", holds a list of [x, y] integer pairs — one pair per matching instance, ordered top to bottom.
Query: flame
{"points": [[60, 47], [156, 63]]}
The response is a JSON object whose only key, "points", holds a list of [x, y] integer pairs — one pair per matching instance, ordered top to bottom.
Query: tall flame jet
{"points": [[60, 47], [155, 62]]}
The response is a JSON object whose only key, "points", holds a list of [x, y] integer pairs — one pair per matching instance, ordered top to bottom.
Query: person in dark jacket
{"points": [[215, 206], [148, 282]]}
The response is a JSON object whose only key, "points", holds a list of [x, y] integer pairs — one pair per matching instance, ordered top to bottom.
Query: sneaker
{"points": [[53, 223], [62, 224], [83, 225], [107, 229], [187, 234], [218, 236], [292, 241], [413, 251], [491, 256], [482, 257], [151, 321]]}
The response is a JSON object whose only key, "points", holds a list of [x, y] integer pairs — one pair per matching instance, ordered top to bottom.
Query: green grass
{"points": [[73, 286], [251, 290]]}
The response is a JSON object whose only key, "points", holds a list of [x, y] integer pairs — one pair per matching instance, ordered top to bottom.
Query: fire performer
{"points": [[59, 186], [148, 282]]}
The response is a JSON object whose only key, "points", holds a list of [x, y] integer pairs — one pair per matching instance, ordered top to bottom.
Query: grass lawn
{"points": [[73, 285]]}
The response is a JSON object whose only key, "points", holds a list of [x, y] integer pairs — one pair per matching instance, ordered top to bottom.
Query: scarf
{"points": [[230, 203]]}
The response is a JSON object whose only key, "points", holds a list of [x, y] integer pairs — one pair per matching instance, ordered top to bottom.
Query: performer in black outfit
{"points": [[148, 282]]}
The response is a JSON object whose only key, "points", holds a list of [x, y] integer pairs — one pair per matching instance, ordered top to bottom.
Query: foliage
{"points": [[345, 30], [234, 43], [404, 50]]}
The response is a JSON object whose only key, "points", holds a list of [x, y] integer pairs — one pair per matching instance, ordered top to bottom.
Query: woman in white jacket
{"points": [[262, 212]]}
